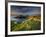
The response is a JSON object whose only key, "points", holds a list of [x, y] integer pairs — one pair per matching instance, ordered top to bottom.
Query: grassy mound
{"points": [[32, 23]]}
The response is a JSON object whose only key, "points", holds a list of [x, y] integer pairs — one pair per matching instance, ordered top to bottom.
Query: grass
{"points": [[28, 24]]}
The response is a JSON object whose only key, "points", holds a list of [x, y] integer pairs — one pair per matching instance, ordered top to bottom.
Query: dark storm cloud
{"points": [[24, 9]]}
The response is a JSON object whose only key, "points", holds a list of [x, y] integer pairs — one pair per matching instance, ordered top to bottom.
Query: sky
{"points": [[25, 10]]}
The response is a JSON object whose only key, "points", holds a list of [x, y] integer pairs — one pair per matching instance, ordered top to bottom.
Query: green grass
{"points": [[27, 25]]}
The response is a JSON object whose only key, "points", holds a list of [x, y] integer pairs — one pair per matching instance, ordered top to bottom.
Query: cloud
{"points": [[25, 10]]}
